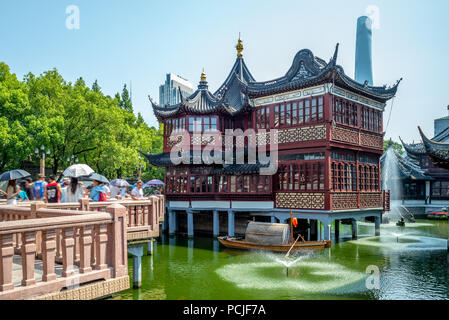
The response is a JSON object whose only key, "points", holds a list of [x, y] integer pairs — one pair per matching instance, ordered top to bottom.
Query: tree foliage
{"points": [[71, 119], [396, 146]]}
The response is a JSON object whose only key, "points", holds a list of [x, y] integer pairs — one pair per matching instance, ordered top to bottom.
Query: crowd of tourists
{"points": [[68, 190]]}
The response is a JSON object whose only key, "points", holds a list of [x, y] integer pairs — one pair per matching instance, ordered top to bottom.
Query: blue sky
{"points": [[140, 41]]}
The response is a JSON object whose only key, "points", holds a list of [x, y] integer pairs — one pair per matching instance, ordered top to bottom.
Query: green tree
{"points": [[96, 87], [126, 102], [72, 119], [15, 143], [396, 146]]}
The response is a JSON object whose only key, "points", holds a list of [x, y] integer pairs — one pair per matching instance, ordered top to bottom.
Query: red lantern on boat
{"points": [[295, 222]]}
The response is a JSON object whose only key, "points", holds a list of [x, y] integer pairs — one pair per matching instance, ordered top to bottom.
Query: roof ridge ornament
{"points": [[239, 47], [334, 58], [203, 76]]}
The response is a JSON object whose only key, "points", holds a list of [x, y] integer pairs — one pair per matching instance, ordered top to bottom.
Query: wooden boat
{"points": [[442, 215], [276, 237], [239, 243]]}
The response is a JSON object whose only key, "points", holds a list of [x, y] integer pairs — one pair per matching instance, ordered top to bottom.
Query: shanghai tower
{"points": [[363, 62]]}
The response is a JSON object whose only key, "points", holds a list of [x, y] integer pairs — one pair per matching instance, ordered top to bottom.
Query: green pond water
{"points": [[412, 261]]}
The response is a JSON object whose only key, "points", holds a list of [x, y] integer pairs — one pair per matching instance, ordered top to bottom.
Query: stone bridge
{"points": [[74, 250]]}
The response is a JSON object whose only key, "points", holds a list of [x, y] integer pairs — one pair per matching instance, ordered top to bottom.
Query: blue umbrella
{"points": [[14, 175], [98, 177], [120, 183]]}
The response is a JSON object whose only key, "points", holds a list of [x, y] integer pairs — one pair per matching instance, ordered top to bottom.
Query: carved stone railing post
{"points": [[84, 204], [34, 207], [146, 209], [153, 212], [139, 215], [131, 216], [118, 239], [101, 241], [77, 244], [59, 245], [68, 248], [85, 249], [93, 249], [6, 255], [49, 255], [28, 257]]}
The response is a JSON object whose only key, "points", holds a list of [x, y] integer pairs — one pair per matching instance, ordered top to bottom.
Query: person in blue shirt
{"points": [[98, 193], [22, 196]]}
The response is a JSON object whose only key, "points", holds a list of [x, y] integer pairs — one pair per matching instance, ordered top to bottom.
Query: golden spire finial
{"points": [[239, 47], [203, 76]]}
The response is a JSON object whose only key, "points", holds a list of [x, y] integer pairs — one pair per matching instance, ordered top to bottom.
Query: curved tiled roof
{"points": [[308, 70], [240, 71], [233, 96], [414, 150], [417, 150], [437, 151], [407, 168]]}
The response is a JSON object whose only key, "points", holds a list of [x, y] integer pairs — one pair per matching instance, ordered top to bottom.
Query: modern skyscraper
{"points": [[363, 61], [169, 91]]}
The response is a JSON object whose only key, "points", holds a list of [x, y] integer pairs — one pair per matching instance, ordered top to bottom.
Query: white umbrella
{"points": [[78, 170]]}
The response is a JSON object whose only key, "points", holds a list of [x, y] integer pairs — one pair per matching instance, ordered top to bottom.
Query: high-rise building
{"points": [[363, 62], [169, 92]]}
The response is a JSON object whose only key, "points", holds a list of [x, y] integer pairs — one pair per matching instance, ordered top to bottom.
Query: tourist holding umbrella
{"points": [[78, 170], [154, 182], [118, 186], [76, 189], [12, 190], [98, 192]]}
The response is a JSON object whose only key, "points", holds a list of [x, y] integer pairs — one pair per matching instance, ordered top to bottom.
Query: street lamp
{"points": [[42, 158], [71, 160], [139, 168]]}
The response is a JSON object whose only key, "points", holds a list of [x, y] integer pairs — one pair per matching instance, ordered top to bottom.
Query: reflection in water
{"points": [[171, 246], [216, 249], [190, 251], [151, 267], [200, 268]]}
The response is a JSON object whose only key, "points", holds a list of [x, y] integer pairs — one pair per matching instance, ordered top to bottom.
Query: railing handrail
{"points": [[89, 218]]}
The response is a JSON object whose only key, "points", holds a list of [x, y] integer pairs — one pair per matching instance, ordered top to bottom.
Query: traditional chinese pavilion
{"points": [[329, 138], [428, 183]]}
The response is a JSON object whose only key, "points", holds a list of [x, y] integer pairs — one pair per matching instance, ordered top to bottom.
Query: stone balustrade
{"points": [[142, 216], [59, 249]]}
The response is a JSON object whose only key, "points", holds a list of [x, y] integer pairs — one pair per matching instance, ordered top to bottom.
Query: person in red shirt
{"points": [[53, 191]]}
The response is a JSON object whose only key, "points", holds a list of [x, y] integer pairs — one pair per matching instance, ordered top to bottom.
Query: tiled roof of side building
{"points": [[414, 150], [438, 151], [407, 169]]}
